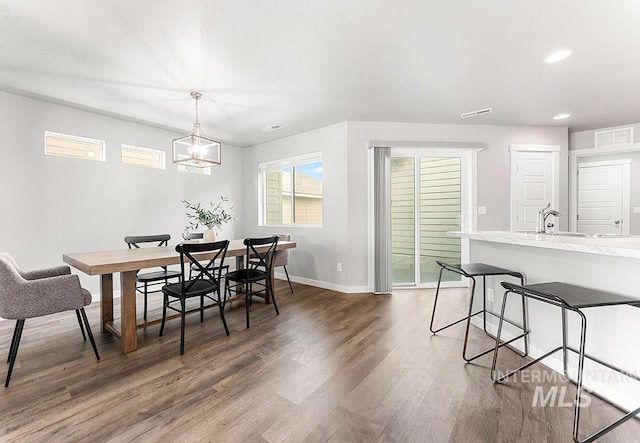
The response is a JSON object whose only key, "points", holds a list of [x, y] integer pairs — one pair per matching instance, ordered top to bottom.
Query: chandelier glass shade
{"points": [[196, 149]]}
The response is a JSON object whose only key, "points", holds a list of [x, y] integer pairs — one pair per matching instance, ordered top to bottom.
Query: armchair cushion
{"points": [[21, 298]]}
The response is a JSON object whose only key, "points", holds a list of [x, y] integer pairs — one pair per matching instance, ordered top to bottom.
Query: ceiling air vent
{"points": [[476, 113], [272, 128], [614, 136]]}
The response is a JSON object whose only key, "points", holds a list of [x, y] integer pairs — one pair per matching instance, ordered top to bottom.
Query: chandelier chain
{"points": [[197, 110]]}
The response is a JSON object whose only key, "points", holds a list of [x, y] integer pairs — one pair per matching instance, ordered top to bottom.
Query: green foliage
{"points": [[219, 213]]}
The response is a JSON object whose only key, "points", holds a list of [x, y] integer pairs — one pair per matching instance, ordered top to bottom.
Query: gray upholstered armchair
{"points": [[31, 294]]}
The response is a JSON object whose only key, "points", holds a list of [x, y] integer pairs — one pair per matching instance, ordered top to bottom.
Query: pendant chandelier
{"points": [[196, 149]]}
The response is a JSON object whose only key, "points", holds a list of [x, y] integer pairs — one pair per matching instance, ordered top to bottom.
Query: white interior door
{"points": [[533, 186], [601, 200]]}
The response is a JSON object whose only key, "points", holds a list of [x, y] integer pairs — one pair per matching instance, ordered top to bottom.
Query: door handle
{"points": [[617, 222]]}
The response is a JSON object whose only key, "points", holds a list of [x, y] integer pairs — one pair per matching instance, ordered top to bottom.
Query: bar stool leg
{"points": [[435, 303], [484, 304], [525, 322], [466, 334], [495, 352], [565, 356], [576, 415]]}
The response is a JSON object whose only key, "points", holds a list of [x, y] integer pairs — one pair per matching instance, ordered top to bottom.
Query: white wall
{"points": [[586, 139], [493, 173], [52, 205], [344, 236], [319, 249]]}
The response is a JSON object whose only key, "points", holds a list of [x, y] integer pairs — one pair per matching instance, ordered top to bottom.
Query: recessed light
{"points": [[558, 55], [561, 116], [272, 128]]}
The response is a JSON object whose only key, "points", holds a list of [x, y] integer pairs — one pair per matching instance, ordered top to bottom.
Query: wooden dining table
{"points": [[128, 262]]}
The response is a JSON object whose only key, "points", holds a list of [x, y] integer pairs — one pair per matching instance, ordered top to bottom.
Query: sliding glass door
{"points": [[428, 199]]}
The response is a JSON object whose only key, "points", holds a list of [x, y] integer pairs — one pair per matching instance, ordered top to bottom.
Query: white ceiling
{"points": [[304, 64]]}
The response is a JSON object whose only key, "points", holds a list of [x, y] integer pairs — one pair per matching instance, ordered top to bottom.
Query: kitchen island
{"points": [[609, 263]]}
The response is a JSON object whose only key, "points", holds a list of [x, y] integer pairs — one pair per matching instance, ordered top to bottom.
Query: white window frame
{"points": [[102, 144], [163, 156], [275, 165]]}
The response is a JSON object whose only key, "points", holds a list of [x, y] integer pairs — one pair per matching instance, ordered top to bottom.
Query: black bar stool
{"points": [[472, 270], [572, 298]]}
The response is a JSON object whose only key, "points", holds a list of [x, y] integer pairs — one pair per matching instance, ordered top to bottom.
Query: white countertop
{"points": [[623, 246]]}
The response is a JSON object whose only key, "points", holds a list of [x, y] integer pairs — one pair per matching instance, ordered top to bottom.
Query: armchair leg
{"points": [[288, 280], [88, 328], [84, 336], [13, 343], [13, 352]]}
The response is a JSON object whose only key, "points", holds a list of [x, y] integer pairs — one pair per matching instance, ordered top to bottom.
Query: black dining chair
{"points": [[200, 236], [281, 259], [151, 278], [242, 281], [205, 284]]}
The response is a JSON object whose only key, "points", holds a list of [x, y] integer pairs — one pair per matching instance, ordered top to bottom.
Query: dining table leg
{"points": [[106, 301], [128, 328]]}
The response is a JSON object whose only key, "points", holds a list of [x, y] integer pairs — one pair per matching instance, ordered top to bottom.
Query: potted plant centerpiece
{"points": [[212, 218]]}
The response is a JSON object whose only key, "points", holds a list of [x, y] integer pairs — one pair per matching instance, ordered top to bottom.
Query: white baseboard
{"points": [[282, 276], [323, 284], [611, 394]]}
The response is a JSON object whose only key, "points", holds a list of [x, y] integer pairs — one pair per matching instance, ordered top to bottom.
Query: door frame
{"points": [[427, 147], [554, 150], [573, 172], [626, 189], [468, 195]]}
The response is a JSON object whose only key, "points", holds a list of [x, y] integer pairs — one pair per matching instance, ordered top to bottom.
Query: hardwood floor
{"points": [[332, 367]]}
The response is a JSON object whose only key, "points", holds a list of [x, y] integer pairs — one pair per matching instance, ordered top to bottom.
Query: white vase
{"points": [[209, 235]]}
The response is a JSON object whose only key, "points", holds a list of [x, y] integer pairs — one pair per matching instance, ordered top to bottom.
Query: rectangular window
{"points": [[64, 145], [148, 158], [194, 169], [292, 191]]}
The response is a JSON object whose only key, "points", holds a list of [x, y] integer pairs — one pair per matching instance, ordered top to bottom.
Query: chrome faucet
{"points": [[543, 214]]}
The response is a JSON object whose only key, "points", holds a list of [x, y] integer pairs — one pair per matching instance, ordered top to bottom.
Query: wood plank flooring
{"points": [[331, 368]]}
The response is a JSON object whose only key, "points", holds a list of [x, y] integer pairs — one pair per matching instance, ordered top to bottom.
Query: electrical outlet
{"points": [[636, 209], [482, 210], [339, 267], [490, 295]]}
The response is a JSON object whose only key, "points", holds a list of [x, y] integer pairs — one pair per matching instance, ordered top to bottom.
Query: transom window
{"points": [[64, 145], [148, 158], [194, 169], [291, 191]]}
